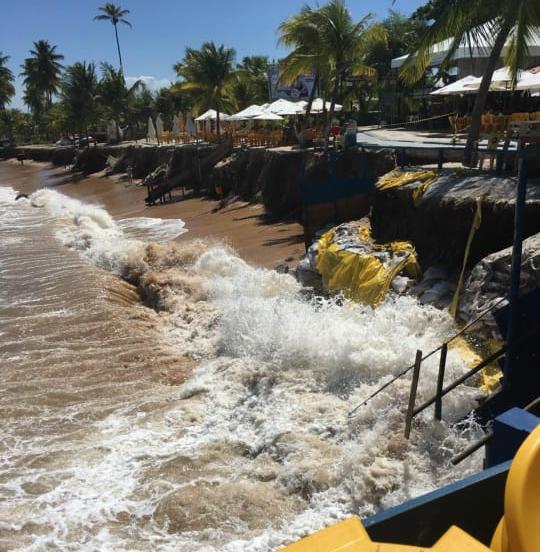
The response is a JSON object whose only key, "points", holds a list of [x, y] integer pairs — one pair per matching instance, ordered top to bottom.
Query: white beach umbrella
{"points": [[501, 80], [530, 82], [460, 86], [318, 103], [285, 107], [247, 113], [207, 115], [211, 115], [267, 116], [159, 125], [190, 125], [175, 126], [112, 132], [151, 133]]}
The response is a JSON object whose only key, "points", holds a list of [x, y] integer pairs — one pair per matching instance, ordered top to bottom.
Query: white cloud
{"points": [[153, 83]]}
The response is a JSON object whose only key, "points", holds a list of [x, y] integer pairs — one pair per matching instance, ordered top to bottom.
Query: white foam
{"points": [[107, 243], [272, 399]]}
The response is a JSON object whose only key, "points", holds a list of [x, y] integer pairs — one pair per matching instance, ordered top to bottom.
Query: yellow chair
{"points": [[519, 116]]}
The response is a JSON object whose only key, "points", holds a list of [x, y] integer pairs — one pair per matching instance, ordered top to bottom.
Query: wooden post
{"points": [[440, 160], [440, 381], [412, 396]]}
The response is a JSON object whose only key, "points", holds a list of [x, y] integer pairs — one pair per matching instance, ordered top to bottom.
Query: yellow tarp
{"points": [[398, 178], [364, 276], [490, 375]]}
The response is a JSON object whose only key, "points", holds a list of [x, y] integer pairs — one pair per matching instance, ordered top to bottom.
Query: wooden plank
{"points": [[440, 381], [412, 396]]}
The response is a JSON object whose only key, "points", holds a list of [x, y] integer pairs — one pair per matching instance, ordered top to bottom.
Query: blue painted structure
{"points": [[522, 385], [510, 429], [475, 504]]}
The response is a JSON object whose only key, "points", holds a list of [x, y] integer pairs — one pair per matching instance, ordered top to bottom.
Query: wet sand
{"points": [[241, 225]]}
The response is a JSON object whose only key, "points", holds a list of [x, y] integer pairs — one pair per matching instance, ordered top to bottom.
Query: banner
{"points": [[299, 90]]}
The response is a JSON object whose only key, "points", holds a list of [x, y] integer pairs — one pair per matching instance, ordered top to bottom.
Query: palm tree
{"points": [[114, 14], [494, 22], [328, 40], [42, 71], [208, 74], [7, 90], [79, 94], [114, 95]]}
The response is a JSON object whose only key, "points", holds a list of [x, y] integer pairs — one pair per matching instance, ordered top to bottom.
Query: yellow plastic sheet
{"points": [[398, 178], [364, 277], [490, 375]]}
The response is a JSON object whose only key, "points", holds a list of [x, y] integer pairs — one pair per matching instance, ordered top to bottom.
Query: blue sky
{"points": [[161, 30]]}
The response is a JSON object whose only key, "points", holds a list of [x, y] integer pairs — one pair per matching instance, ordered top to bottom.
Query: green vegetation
{"points": [[492, 22], [329, 42], [350, 61], [209, 77], [7, 90]]}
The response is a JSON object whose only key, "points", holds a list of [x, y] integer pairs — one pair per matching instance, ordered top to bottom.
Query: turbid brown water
{"points": [[242, 225], [216, 420]]}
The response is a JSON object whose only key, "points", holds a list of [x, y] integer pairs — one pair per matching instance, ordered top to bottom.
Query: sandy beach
{"points": [[240, 224]]}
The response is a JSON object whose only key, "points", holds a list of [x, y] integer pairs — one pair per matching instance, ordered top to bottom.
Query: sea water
{"points": [[165, 395]]}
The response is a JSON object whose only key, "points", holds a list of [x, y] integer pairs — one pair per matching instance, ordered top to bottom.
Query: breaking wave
{"points": [[255, 448]]}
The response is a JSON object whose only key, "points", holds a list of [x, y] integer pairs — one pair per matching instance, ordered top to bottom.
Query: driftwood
{"points": [[160, 182]]}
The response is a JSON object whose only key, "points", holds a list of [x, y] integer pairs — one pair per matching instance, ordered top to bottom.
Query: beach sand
{"points": [[241, 225]]}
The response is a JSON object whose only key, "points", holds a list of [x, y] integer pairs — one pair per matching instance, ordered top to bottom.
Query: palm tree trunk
{"points": [[118, 46], [333, 102], [480, 102], [304, 119]]}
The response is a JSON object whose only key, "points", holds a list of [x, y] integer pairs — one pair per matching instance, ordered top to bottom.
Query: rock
{"points": [[440, 223], [282, 268], [434, 273], [307, 275], [489, 280]]}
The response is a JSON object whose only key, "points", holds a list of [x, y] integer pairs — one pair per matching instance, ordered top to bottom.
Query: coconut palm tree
{"points": [[114, 14], [493, 22], [301, 33], [328, 40], [42, 71], [209, 76], [7, 90], [79, 93], [114, 95]]}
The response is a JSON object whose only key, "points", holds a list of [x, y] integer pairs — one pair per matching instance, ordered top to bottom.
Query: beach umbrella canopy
{"points": [[501, 79], [530, 82], [460, 86], [318, 104], [285, 107], [247, 113], [211, 115], [267, 116], [159, 125], [175, 125], [190, 125], [151, 134]]}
